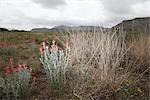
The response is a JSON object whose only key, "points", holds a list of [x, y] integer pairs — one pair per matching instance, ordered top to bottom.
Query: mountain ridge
{"points": [[136, 25]]}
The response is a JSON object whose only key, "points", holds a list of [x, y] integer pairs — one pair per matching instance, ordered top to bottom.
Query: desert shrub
{"points": [[10, 51], [6, 54], [55, 63], [98, 63], [16, 84]]}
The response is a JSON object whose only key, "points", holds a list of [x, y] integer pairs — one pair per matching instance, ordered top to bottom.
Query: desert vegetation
{"points": [[98, 65]]}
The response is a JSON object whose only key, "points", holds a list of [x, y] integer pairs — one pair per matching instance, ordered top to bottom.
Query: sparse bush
{"points": [[6, 53], [55, 63], [98, 63], [92, 65], [17, 83]]}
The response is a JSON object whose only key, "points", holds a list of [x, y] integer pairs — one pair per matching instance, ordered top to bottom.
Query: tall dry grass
{"points": [[141, 48], [98, 63]]}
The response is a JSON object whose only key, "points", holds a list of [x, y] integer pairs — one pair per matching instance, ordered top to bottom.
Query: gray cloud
{"points": [[50, 3], [120, 6], [119, 10], [29, 14], [40, 22], [28, 23]]}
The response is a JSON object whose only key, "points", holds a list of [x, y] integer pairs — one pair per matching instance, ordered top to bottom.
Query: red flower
{"points": [[43, 44], [67, 46], [54, 48], [41, 49], [11, 61], [24, 66], [19, 68], [15, 69], [8, 70], [34, 78]]}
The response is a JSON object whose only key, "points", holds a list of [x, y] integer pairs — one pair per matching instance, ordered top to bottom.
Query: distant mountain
{"points": [[136, 25], [63, 28], [41, 30]]}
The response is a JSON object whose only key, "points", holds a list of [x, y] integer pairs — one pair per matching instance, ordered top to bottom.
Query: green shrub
{"points": [[55, 65], [17, 83]]}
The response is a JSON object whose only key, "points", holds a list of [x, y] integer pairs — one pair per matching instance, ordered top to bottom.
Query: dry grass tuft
{"points": [[98, 63]]}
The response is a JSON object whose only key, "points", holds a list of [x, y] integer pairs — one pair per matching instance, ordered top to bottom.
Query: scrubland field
{"points": [[74, 66]]}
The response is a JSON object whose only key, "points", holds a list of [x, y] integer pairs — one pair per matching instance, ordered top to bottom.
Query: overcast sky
{"points": [[27, 14]]}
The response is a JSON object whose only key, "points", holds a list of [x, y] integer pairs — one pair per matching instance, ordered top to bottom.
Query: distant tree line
{"points": [[6, 30]]}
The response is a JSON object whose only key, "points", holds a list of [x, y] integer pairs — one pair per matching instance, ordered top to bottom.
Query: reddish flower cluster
{"points": [[5, 45], [43, 46], [67, 46], [54, 47], [19, 68]]}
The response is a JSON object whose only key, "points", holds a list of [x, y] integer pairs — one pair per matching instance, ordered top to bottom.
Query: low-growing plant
{"points": [[55, 63], [16, 84], [128, 92]]}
